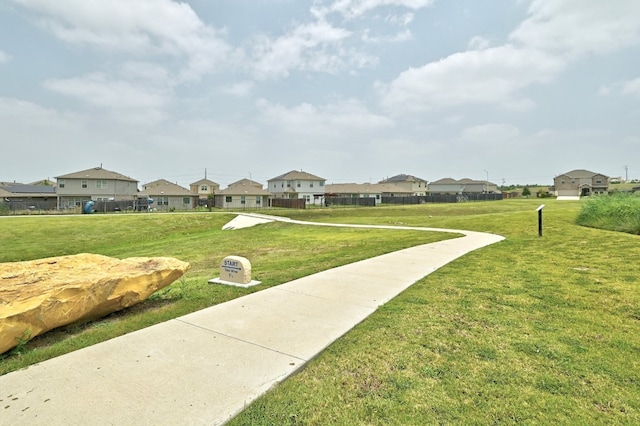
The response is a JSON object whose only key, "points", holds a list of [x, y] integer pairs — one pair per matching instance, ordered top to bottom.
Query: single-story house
{"points": [[579, 183], [415, 185], [462, 186], [366, 190], [243, 194], [18, 196], [169, 196]]}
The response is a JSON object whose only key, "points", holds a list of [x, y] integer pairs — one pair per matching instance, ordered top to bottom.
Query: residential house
{"points": [[577, 183], [97, 184], [298, 184], [413, 184], [462, 186], [205, 189], [367, 190], [243, 194], [18, 196], [169, 196]]}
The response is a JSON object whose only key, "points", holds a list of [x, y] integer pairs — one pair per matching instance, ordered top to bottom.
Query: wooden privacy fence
{"points": [[289, 203]]}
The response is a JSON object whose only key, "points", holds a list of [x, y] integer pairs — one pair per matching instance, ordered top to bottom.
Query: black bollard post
{"points": [[539, 209]]}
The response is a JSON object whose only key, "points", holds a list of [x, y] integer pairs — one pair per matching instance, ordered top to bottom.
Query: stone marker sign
{"points": [[235, 270]]}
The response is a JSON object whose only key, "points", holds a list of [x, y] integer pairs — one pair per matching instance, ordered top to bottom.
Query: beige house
{"points": [[410, 183], [579, 183], [97, 184], [298, 184], [462, 186], [205, 189], [367, 190], [243, 194], [18, 196], [169, 196]]}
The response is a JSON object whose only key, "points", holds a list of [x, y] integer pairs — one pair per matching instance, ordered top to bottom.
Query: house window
{"points": [[598, 180], [562, 181], [321, 183], [60, 184], [84, 184], [101, 184], [288, 184], [298, 185], [311, 185], [204, 188], [308, 198], [228, 199], [242, 199], [185, 200], [258, 200], [163, 201]]}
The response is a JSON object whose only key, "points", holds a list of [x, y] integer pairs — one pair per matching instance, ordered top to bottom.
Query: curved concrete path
{"points": [[205, 367]]}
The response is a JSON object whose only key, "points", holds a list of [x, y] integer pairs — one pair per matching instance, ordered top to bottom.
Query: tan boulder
{"points": [[39, 295]]}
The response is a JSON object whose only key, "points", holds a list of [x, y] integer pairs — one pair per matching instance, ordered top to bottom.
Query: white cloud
{"points": [[356, 8], [140, 27], [578, 27], [555, 34], [479, 43], [304, 48], [3, 57], [490, 76], [632, 88], [240, 89], [101, 90], [325, 124], [493, 133]]}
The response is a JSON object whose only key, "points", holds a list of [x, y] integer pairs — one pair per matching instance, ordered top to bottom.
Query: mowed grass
{"points": [[278, 252], [532, 330]]}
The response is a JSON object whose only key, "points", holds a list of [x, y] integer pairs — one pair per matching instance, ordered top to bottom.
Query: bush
{"points": [[617, 212]]}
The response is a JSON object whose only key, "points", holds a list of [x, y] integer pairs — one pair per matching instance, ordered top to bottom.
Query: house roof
{"points": [[96, 173], [580, 173], [296, 175], [402, 178], [444, 181], [163, 187], [244, 187], [365, 188], [20, 189]]}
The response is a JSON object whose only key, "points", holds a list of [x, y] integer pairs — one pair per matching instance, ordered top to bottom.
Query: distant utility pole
{"points": [[626, 173]]}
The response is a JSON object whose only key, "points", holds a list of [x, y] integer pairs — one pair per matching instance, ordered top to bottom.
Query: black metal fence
{"points": [[441, 198], [350, 201]]}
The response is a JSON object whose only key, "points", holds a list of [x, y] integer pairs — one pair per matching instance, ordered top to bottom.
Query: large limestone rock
{"points": [[39, 295]]}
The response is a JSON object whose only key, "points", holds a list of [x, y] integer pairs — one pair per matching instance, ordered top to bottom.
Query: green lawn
{"points": [[279, 253], [532, 330]]}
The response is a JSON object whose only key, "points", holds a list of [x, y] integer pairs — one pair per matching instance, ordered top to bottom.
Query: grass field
{"points": [[532, 330]]}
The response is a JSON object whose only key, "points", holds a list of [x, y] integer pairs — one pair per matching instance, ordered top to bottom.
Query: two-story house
{"points": [[579, 183], [96, 184], [298, 184], [413, 184], [205, 189]]}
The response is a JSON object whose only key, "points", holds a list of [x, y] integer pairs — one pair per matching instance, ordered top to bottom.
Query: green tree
{"points": [[526, 192]]}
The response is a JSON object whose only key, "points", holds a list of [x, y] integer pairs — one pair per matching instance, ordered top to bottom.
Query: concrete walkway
{"points": [[205, 367]]}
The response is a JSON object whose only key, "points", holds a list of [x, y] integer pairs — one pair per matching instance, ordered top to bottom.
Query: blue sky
{"points": [[350, 90]]}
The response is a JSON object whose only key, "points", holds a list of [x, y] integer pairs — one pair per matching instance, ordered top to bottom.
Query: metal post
{"points": [[539, 209]]}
